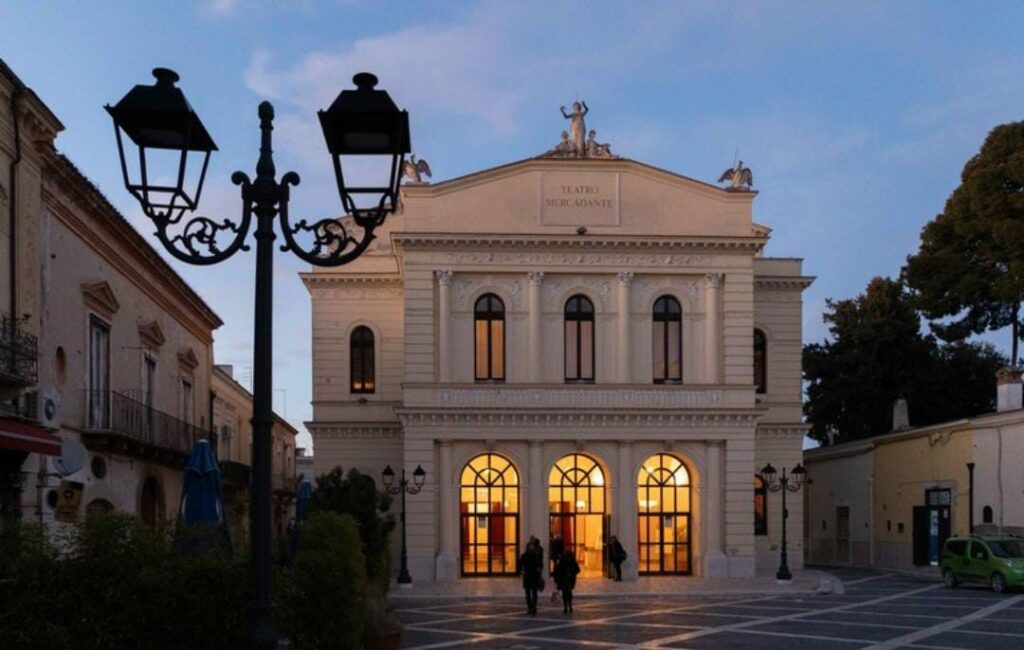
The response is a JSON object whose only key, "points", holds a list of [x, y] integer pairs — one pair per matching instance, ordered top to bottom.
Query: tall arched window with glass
{"points": [[489, 321], [667, 339], [579, 340], [361, 360], [760, 362], [760, 506], [576, 510], [663, 515], [489, 516]]}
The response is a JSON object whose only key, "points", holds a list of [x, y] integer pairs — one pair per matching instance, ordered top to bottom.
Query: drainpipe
{"points": [[13, 197], [970, 498]]}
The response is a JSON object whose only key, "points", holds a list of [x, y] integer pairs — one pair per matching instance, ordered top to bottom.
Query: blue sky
{"points": [[856, 118]]}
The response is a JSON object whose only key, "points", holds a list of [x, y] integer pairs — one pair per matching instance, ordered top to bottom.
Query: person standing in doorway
{"points": [[557, 548], [617, 555], [531, 565], [565, 577]]}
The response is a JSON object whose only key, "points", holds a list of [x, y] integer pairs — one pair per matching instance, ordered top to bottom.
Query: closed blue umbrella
{"points": [[201, 499], [301, 506]]}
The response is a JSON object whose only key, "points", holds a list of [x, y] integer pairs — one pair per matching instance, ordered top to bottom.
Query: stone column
{"points": [[625, 280], [444, 318], [713, 330], [536, 347], [626, 506], [537, 514], [715, 563], [446, 564]]}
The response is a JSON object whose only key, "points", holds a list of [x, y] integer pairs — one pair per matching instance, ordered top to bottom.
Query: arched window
{"points": [[489, 319], [579, 339], [668, 341], [361, 355], [760, 361], [663, 500], [576, 506], [760, 506], [986, 515], [489, 516]]}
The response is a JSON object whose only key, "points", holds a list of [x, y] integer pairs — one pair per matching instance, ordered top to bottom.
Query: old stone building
{"points": [[573, 344]]}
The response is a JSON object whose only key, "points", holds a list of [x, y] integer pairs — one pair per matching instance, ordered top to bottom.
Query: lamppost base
{"points": [[783, 576], [405, 585]]}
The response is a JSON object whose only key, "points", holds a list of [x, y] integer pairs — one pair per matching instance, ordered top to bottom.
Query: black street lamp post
{"points": [[360, 122], [783, 485], [403, 488]]}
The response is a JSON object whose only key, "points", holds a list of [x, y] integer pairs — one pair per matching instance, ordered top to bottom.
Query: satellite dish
{"points": [[71, 459]]}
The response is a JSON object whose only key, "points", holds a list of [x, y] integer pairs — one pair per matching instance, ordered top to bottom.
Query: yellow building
{"points": [[892, 500]]}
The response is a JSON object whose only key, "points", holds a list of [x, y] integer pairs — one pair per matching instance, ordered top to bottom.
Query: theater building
{"points": [[577, 344]]}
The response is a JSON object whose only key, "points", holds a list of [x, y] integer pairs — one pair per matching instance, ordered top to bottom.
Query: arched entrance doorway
{"points": [[576, 502], [663, 504], [150, 506], [489, 516]]}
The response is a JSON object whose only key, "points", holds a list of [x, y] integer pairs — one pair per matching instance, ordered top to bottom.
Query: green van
{"points": [[993, 560]]}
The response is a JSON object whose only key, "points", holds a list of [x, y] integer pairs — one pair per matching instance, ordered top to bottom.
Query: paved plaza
{"points": [[877, 610]]}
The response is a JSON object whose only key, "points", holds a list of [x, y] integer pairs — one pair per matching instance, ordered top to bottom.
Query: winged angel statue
{"points": [[415, 170], [739, 177]]}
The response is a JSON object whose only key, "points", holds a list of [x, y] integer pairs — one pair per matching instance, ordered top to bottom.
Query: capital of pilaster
{"points": [[444, 277], [535, 277], [625, 278], [715, 280], [444, 442], [536, 444]]}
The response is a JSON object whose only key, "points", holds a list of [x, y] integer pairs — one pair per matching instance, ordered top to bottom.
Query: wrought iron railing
{"points": [[19, 352], [110, 411]]}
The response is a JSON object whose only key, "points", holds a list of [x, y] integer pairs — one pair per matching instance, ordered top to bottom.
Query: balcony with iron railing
{"points": [[19, 354], [121, 424]]}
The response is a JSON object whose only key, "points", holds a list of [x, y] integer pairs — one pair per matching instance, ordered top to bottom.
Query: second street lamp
{"points": [[361, 122], [418, 478], [791, 483]]}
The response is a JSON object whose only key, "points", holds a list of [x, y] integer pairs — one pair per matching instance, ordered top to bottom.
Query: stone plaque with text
{"points": [[580, 199]]}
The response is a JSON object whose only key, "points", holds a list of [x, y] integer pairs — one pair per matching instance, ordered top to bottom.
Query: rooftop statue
{"points": [[581, 143], [414, 170], [739, 177]]}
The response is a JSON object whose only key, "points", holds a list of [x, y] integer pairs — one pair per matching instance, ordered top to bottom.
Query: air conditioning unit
{"points": [[49, 409]]}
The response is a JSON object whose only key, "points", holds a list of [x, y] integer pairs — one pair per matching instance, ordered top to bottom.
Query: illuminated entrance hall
{"points": [[576, 502], [663, 507], [489, 516]]}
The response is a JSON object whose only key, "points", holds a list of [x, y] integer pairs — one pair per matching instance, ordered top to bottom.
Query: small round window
{"points": [[99, 467]]}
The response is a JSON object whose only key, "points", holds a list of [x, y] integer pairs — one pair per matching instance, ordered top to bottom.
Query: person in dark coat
{"points": [[557, 548], [617, 555], [531, 565], [565, 577]]}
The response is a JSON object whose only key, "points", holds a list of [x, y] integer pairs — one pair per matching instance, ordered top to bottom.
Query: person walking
{"points": [[557, 548], [617, 555], [531, 565], [565, 577]]}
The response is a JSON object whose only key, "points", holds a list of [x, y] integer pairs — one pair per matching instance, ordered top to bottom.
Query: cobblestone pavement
{"points": [[878, 610]]}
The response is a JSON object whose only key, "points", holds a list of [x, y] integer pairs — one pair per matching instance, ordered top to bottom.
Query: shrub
{"points": [[325, 604]]}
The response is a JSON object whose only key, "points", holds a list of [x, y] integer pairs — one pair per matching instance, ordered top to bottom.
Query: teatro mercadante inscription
{"points": [[580, 199]]}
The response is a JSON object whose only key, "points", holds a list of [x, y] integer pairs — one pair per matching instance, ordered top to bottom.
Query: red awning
{"points": [[26, 437]]}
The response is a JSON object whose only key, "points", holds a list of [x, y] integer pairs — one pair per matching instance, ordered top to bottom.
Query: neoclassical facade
{"points": [[572, 346]]}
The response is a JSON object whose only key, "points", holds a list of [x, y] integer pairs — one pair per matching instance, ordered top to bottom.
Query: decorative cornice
{"points": [[596, 243], [317, 279], [783, 282], [99, 297], [151, 335], [187, 359], [618, 420], [349, 431], [782, 431]]}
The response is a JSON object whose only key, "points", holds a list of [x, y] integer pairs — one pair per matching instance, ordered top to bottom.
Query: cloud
{"points": [[220, 7]]}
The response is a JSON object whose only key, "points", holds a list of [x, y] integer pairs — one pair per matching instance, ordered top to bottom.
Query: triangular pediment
{"points": [[605, 197], [100, 297], [151, 335], [187, 359]]}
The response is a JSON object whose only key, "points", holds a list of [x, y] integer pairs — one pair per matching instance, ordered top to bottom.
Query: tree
{"points": [[970, 266], [878, 354], [356, 494]]}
